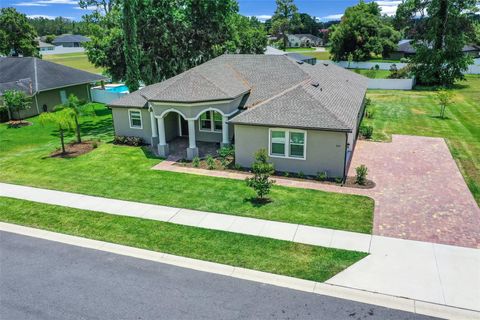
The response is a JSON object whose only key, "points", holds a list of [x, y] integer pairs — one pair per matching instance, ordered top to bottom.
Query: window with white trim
{"points": [[135, 117], [211, 121], [286, 143]]}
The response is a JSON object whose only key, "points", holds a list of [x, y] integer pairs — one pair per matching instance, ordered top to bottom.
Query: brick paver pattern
{"points": [[419, 194]]}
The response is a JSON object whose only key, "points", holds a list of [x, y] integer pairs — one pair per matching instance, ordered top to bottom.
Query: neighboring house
{"points": [[70, 40], [304, 40], [43, 46], [405, 49], [302, 58], [49, 84], [307, 117]]}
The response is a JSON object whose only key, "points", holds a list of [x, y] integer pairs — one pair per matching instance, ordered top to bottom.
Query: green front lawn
{"points": [[297, 49], [320, 55], [77, 60], [416, 113], [125, 173], [276, 256]]}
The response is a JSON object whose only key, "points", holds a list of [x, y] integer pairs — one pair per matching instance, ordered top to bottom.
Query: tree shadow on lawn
{"points": [[446, 118], [98, 129], [257, 202]]}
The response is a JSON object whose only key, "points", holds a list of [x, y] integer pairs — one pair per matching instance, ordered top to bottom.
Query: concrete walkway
{"points": [[413, 198], [435, 273]]}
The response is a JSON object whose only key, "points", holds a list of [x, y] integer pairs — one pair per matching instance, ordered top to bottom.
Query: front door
{"points": [[183, 126]]}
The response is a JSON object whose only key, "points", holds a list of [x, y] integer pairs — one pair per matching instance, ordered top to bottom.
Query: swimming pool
{"points": [[120, 88]]}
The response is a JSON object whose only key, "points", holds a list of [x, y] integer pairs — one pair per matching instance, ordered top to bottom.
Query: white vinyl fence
{"points": [[472, 69], [391, 84], [103, 96]]}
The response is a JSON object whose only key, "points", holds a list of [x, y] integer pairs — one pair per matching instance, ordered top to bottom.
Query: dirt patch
{"points": [[418, 111], [18, 123], [73, 150]]}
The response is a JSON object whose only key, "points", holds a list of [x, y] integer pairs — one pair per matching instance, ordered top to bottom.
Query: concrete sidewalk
{"points": [[270, 229], [441, 274]]}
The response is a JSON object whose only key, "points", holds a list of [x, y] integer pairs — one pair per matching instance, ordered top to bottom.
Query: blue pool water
{"points": [[122, 88]]}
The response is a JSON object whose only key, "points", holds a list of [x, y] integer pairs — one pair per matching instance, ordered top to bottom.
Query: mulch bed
{"points": [[18, 123], [73, 150], [350, 182]]}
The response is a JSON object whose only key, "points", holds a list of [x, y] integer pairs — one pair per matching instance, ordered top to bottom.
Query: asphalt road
{"points": [[41, 279]]}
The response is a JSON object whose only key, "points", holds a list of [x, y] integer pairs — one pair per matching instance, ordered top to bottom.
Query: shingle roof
{"points": [[309, 36], [71, 38], [42, 44], [44, 75], [24, 85], [278, 91], [330, 99]]}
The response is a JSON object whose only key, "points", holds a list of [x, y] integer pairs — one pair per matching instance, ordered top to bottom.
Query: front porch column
{"points": [[153, 124], [225, 135], [162, 141], [192, 150]]}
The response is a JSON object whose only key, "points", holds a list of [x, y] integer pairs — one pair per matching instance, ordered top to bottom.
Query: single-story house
{"points": [[70, 40], [304, 40], [43, 46], [405, 49], [49, 84], [306, 116]]}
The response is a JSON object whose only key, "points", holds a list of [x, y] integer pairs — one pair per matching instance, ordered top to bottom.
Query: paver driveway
{"points": [[420, 193]]}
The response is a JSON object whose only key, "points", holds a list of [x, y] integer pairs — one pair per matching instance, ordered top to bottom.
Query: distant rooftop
{"points": [[70, 38]]}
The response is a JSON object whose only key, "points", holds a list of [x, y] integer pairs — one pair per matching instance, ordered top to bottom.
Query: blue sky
{"points": [[324, 9]]}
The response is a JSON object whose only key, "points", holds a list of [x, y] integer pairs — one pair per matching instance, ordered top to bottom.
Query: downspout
{"points": [[345, 160]]}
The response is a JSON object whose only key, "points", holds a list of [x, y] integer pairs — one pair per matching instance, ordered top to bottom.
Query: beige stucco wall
{"points": [[51, 98], [121, 123], [325, 151]]}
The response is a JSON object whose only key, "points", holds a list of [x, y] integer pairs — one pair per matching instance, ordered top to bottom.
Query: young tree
{"points": [[285, 19], [447, 26], [362, 32], [17, 36], [132, 54], [445, 99], [16, 101], [78, 109], [63, 119], [262, 170]]}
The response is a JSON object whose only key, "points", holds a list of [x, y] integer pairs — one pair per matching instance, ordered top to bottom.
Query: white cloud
{"points": [[45, 3], [388, 7], [33, 16], [263, 17], [332, 17]]}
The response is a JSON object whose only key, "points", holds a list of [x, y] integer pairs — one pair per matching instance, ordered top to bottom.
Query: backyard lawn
{"points": [[297, 49], [77, 60], [373, 74], [416, 113], [124, 173], [269, 255]]}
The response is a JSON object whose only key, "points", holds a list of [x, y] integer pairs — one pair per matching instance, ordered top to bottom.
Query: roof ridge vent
{"points": [[299, 62], [325, 64], [315, 84]]}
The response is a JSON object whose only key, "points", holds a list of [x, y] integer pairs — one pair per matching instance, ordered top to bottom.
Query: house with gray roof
{"points": [[70, 40], [304, 40], [406, 49], [47, 83], [306, 116]]}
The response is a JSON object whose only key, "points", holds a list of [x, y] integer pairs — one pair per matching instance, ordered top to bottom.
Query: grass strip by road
{"points": [[125, 173], [252, 252]]}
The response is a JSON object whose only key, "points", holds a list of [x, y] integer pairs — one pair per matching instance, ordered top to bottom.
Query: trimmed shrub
{"points": [[366, 131], [129, 141], [196, 162], [210, 162], [262, 170], [322, 176], [361, 176]]}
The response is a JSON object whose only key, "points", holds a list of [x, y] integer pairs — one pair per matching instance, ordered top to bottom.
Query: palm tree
{"points": [[79, 109], [64, 119]]}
